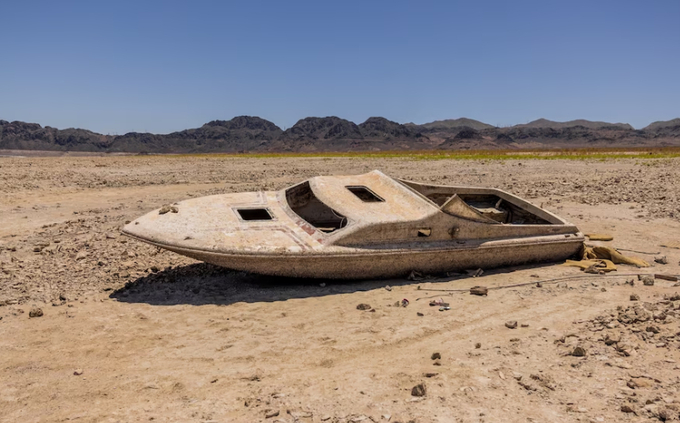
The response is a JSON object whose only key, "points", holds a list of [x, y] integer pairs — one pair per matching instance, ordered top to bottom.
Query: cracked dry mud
{"points": [[132, 333]]}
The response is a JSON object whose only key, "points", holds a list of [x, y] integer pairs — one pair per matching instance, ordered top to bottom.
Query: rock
{"points": [[167, 209], [81, 255], [661, 260], [647, 280], [479, 290], [634, 297], [363, 306], [35, 312], [420, 314], [511, 324], [652, 329], [478, 345], [579, 352], [436, 356], [78, 372], [430, 374], [638, 382], [419, 390], [626, 408], [268, 414]]}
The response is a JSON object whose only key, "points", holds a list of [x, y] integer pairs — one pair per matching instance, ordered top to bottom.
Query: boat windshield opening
{"points": [[305, 204]]}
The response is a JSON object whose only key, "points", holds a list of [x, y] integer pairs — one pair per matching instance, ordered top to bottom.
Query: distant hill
{"points": [[455, 123], [545, 123], [654, 126], [242, 133], [332, 133], [31, 136]]}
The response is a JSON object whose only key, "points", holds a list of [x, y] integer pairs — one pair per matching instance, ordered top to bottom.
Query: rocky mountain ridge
{"points": [[253, 134]]}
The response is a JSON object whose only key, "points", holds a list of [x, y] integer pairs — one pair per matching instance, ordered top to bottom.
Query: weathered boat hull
{"points": [[385, 262]]}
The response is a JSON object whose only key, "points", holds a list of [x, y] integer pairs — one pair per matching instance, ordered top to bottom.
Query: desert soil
{"points": [[132, 333]]}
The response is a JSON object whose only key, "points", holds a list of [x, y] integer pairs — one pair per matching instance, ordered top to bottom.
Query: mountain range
{"points": [[253, 134]]}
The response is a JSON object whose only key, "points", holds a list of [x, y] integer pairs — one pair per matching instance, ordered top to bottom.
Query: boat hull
{"points": [[384, 262]]}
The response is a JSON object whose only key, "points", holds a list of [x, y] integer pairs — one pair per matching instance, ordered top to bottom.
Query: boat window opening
{"points": [[365, 194], [305, 204], [254, 214], [424, 232]]}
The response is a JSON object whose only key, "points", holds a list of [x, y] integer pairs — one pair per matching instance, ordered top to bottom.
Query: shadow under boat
{"points": [[203, 283]]}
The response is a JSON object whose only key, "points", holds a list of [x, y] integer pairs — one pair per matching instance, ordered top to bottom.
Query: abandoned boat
{"points": [[360, 226]]}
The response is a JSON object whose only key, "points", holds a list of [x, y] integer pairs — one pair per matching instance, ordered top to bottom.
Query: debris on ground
{"points": [[167, 209], [599, 237], [672, 244], [661, 260], [475, 273], [415, 276], [666, 277], [647, 280], [479, 290], [634, 297], [404, 302], [440, 302], [364, 306], [35, 312], [511, 324], [578, 352], [436, 356], [78, 372], [419, 390]]}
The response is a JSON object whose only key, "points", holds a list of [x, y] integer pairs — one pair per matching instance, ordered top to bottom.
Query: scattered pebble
{"points": [[661, 260], [479, 290], [634, 297], [363, 306], [35, 312], [511, 324], [579, 352], [436, 356], [78, 372], [419, 390]]}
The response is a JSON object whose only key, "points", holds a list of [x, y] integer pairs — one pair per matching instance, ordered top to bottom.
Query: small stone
{"points": [[168, 209], [81, 255], [661, 260], [647, 280], [479, 290], [634, 297], [363, 306], [35, 312], [420, 314], [511, 324], [525, 325], [478, 345], [579, 352], [436, 356], [78, 372], [430, 374], [419, 390], [627, 408], [271, 413]]}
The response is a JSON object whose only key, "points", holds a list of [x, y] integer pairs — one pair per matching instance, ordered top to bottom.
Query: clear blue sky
{"points": [[159, 66]]}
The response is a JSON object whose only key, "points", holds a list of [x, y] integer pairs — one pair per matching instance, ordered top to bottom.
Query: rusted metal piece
{"points": [[360, 226]]}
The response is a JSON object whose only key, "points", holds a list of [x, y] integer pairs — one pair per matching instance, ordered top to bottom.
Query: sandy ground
{"points": [[130, 333]]}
